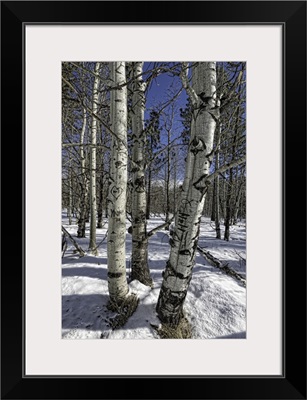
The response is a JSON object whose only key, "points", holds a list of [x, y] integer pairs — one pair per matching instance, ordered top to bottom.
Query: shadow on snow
{"points": [[89, 272], [89, 312]]}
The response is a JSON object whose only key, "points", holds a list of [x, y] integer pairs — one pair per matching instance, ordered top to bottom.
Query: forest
{"points": [[153, 200]]}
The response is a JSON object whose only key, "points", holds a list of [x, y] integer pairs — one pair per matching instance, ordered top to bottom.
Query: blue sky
{"points": [[159, 92]]}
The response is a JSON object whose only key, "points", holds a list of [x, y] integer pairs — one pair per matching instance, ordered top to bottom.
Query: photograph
{"points": [[161, 155], [154, 200]]}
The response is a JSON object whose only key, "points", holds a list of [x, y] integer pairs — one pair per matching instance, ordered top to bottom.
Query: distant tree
{"points": [[186, 119], [73, 129], [236, 130], [153, 139], [103, 151], [169, 158], [93, 164], [83, 181], [240, 194], [216, 203], [139, 259]]}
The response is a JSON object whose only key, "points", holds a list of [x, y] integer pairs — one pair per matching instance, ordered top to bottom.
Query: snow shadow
{"points": [[159, 239], [209, 242], [88, 259], [201, 266], [156, 268], [90, 272], [83, 311], [89, 312], [143, 316]]}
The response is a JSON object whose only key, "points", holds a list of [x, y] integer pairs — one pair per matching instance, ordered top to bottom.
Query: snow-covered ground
{"points": [[215, 304]]}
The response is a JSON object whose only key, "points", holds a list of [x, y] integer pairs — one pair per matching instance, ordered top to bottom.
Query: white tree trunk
{"points": [[82, 135], [168, 176], [70, 182], [84, 182], [217, 184], [237, 201], [93, 205], [139, 264], [178, 272], [117, 281]]}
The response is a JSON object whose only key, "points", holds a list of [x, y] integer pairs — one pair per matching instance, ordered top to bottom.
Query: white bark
{"points": [[82, 135], [84, 181], [70, 182], [217, 185], [93, 205], [139, 264], [178, 273], [117, 281]]}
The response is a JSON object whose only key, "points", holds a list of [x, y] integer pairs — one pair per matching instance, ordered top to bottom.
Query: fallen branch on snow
{"points": [[78, 248], [241, 258], [223, 267]]}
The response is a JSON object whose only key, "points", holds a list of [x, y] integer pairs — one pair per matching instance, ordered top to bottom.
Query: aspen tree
{"points": [[117, 196], [93, 205], [139, 262], [178, 272]]}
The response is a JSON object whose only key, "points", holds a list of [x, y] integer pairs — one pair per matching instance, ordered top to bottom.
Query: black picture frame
{"points": [[292, 384]]}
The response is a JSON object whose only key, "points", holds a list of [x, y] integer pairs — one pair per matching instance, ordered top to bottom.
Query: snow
{"points": [[215, 304]]}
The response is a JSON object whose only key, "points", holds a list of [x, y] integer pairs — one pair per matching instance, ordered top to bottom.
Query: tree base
{"points": [[81, 231], [93, 252], [140, 272], [145, 280], [124, 310], [182, 331]]}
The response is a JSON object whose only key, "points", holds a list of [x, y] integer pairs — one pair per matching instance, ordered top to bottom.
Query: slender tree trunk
{"points": [[168, 178], [175, 182], [83, 184], [107, 184], [217, 185], [229, 198], [223, 199], [213, 201], [93, 202], [100, 203], [237, 203], [242, 203], [148, 205], [228, 205], [88, 209], [69, 210], [217, 210], [139, 264], [178, 272], [117, 281]]}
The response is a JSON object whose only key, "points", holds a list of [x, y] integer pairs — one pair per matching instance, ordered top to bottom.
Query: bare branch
{"points": [[185, 82], [93, 114], [98, 146], [225, 167], [157, 228], [78, 248]]}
